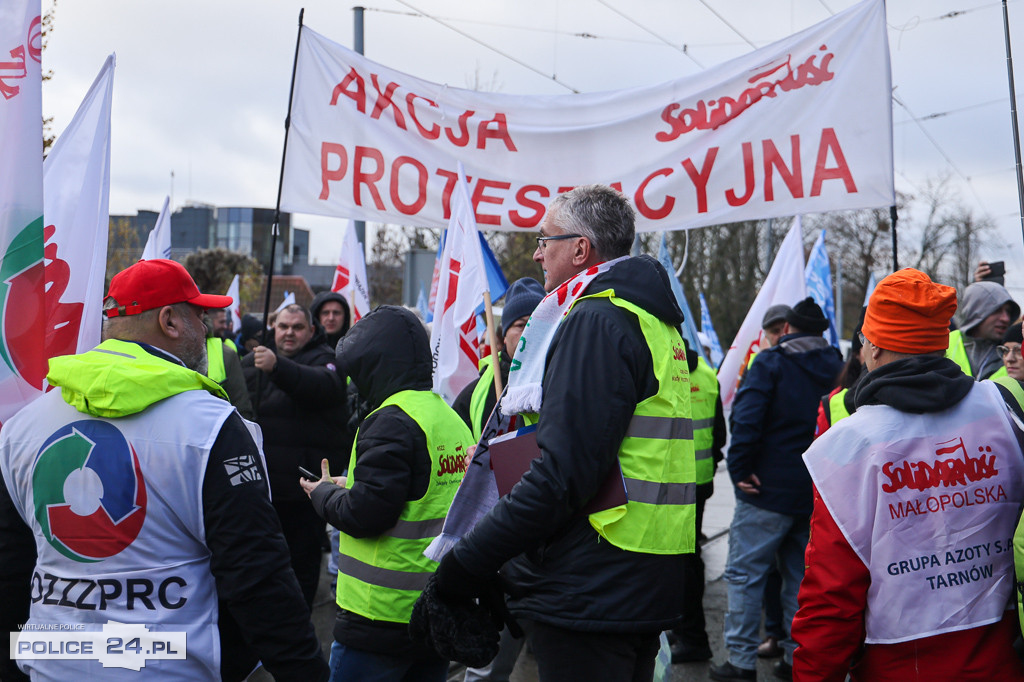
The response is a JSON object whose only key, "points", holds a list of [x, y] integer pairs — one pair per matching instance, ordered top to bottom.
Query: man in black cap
{"points": [[772, 423]]}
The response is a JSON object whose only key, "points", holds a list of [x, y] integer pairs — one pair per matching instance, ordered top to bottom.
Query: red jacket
{"points": [[829, 627]]}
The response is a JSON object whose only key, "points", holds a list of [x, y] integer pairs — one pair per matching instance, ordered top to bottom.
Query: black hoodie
{"points": [[318, 303], [387, 352], [598, 368], [919, 384]]}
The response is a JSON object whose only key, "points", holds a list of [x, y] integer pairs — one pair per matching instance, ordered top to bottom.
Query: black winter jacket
{"points": [[387, 352], [598, 368], [463, 402], [302, 411], [773, 419]]}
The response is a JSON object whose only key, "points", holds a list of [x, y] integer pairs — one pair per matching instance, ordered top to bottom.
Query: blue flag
{"points": [[818, 275], [495, 277], [421, 303], [689, 327], [708, 330]]}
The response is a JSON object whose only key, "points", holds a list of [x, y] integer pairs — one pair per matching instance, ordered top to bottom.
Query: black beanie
{"points": [[521, 298], [807, 317], [1013, 334]]}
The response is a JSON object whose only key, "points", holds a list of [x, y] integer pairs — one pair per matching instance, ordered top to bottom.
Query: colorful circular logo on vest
{"points": [[90, 497]]}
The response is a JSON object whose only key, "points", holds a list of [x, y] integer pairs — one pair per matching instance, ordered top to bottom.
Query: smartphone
{"points": [[996, 272], [308, 475]]}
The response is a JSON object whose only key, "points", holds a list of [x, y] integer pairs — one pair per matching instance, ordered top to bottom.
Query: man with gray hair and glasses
{"points": [[595, 585]]}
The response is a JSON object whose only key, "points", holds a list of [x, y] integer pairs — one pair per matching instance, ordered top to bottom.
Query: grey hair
{"points": [[600, 214], [296, 308]]}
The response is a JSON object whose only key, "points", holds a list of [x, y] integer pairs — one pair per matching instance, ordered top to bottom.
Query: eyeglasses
{"points": [[542, 241], [863, 339], [1009, 350]]}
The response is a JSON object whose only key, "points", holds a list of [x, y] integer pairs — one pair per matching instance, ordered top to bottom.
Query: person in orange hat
{"points": [[917, 494], [135, 499]]}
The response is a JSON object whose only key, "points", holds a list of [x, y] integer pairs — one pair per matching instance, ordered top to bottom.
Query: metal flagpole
{"points": [[1013, 116], [277, 207], [894, 218]]}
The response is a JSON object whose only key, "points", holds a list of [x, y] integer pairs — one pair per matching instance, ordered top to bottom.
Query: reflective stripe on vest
{"points": [[957, 353], [215, 359], [479, 398], [703, 399], [837, 407], [656, 456], [381, 577]]}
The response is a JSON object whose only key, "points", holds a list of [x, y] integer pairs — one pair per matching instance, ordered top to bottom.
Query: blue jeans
{"points": [[759, 539], [356, 665]]}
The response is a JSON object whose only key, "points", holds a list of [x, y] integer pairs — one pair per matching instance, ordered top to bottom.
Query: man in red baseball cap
{"points": [[176, 326], [139, 470]]}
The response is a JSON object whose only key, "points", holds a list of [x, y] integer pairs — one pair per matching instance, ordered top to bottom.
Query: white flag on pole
{"points": [[76, 179], [158, 245], [350, 275], [785, 283], [461, 284], [22, 287], [289, 298], [234, 310]]}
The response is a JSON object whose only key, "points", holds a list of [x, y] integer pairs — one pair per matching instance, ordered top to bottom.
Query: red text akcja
{"points": [[390, 98]]}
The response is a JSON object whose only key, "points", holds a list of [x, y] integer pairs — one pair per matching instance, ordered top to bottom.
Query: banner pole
{"points": [[1013, 117], [277, 209], [894, 218], [489, 316]]}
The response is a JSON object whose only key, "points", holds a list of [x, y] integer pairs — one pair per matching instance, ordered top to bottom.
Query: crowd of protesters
{"points": [[877, 500]]}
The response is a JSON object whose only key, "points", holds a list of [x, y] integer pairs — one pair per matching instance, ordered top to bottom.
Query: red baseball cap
{"points": [[153, 284]]}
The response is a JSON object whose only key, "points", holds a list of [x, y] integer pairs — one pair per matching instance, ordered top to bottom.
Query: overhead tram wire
{"points": [[647, 30], [462, 33], [585, 35], [934, 142], [940, 150]]}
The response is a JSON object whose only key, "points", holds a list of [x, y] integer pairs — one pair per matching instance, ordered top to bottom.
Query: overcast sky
{"points": [[201, 88]]}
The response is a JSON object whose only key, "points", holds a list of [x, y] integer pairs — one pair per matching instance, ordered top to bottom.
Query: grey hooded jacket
{"points": [[980, 300]]}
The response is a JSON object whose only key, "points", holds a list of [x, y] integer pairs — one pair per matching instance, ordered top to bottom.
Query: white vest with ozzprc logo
{"points": [[929, 502], [116, 509]]}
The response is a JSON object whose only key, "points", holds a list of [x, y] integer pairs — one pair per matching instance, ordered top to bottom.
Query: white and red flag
{"points": [[76, 180], [158, 244], [350, 276], [22, 281], [461, 284], [785, 284], [235, 309]]}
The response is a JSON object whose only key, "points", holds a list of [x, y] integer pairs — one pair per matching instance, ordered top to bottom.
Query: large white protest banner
{"points": [[803, 125], [76, 180], [461, 283], [785, 284], [22, 286]]}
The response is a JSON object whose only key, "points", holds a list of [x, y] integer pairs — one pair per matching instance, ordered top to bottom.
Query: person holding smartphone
{"points": [[986, 312], [407, 461]]}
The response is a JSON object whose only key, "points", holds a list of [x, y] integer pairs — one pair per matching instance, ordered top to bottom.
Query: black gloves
{"points": [[455, 582], [460, 615], [456, 629]]}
